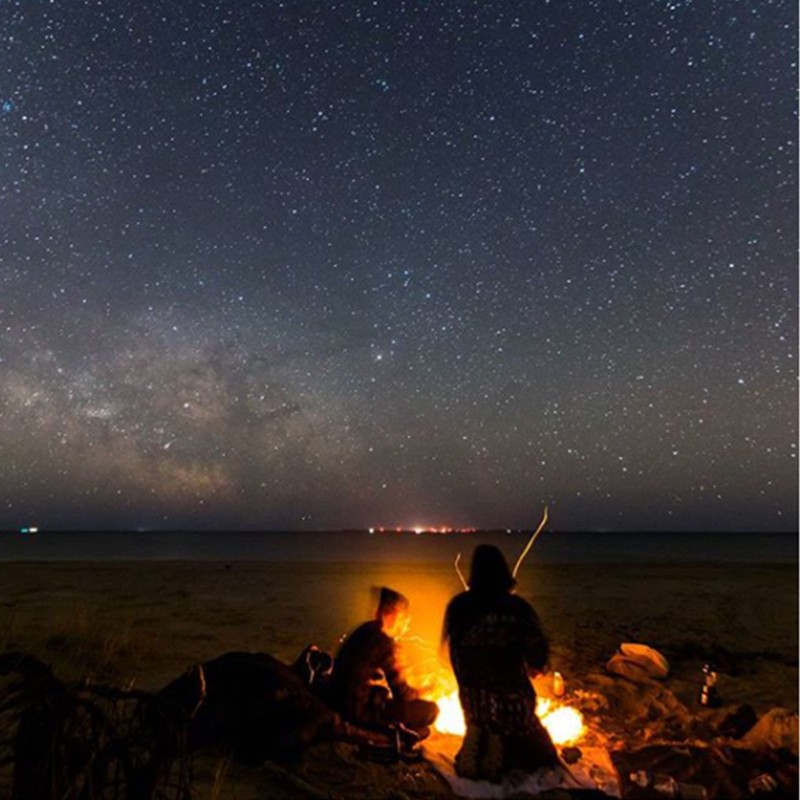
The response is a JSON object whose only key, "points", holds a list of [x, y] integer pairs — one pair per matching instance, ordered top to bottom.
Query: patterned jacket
{"points": [[496, 644]]}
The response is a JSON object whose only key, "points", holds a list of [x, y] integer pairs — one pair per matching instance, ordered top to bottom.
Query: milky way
{"points": [[310, 265]]}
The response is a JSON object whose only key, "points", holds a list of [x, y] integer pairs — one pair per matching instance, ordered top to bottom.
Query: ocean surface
{"points": [[360, 546]]}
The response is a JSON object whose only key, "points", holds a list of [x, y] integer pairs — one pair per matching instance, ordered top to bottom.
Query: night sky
{"points": [[319, 265]]}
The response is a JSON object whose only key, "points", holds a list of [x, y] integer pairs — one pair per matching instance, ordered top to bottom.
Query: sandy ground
{"points": [[147, 622]]}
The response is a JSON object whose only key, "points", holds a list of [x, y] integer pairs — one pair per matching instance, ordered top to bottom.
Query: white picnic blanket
{"points": [[593, 771]]}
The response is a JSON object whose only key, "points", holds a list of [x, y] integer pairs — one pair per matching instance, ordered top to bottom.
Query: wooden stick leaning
{"points": [[530, 543], [519, 560], [460, 573]]}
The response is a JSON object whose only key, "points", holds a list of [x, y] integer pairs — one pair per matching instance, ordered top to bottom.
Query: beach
{"points": [[142, 624]]}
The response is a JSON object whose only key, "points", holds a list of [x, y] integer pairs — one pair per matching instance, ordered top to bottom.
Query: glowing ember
{"points": [[563, 723]]}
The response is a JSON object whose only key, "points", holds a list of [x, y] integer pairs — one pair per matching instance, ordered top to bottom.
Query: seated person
{"points": [[496, 645], [368, 685]]}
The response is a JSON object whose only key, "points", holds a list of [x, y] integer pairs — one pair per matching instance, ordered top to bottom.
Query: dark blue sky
{"points": [[344, 264]]}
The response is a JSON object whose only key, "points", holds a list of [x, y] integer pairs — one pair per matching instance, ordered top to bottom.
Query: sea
{"points": [[551, 547]]}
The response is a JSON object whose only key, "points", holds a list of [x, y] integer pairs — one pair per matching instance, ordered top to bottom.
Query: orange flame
{"points": [[451, 717], [564, 723]]}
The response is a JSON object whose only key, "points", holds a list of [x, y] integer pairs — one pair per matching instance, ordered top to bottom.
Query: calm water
{"points": [[551, 547]]}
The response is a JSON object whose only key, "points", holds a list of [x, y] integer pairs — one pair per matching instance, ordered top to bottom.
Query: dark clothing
{"points": [[496, 641], [496, 645], [369, 685], [254, 703]]}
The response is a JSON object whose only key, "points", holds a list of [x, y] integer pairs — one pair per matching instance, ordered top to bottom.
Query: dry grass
{"points": [[150, 622], [80, 642]]}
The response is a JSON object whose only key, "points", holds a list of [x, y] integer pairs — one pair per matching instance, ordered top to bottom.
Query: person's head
{"points": [[490, 573], [394, 612]]}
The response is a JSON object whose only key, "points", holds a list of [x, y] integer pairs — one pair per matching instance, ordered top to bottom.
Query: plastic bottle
{"points": [[709, 695], [642, 778]]}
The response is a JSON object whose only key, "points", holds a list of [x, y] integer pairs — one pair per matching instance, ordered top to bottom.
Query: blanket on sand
{"points": [[594, 771]]}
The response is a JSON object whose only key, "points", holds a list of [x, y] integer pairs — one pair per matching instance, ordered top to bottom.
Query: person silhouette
{"points": [[496, 645], [369, 684]]}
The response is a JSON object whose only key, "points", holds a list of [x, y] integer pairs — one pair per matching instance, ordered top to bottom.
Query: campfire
{"points": [[564, 723]]}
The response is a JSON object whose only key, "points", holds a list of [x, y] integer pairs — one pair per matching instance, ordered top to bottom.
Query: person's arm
{"points": [[444, 641], [536, 647], [394, 668]]}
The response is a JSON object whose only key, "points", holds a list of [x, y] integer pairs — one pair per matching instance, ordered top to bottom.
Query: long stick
{"points": [[530, 543], [460, 573]]}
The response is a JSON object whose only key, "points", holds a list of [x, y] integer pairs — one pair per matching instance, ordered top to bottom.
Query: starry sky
{"points": [[339, 264]]}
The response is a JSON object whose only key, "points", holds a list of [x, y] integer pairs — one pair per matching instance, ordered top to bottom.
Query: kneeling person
{"points": [[496, 646], [369, 685]]}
